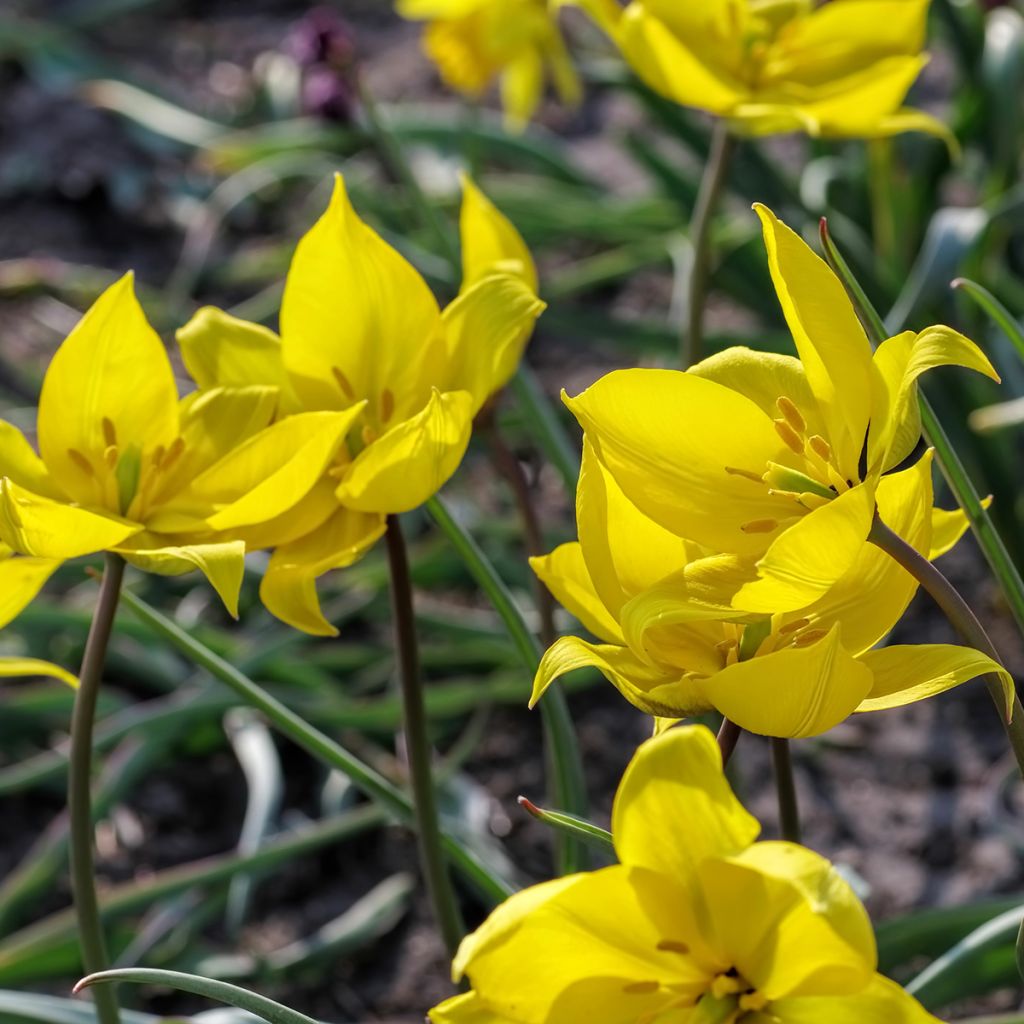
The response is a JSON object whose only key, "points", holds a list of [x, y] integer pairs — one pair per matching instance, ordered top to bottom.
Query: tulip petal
{"points": [[522, 83], [490, 242], [358, 322], [486, 329], [831, 342], [220, 350], [898, 362], [109, 383], [668, 437], [413, 460], [19, 461], [272, 471], [33, 525], [948, 526], [809, 557], [222, 563], [565, 574], [20, 580], [288, 589], [16, 667], [907, 673], [793, 692], [678, 777], [882, 1002], [467, 1008]]}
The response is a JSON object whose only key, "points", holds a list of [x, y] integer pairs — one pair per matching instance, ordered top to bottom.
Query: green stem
{"points": [[722, 146], [544, 423], [963, 620], [315, 742], [417, 745], [789, 809], [80, 825]]}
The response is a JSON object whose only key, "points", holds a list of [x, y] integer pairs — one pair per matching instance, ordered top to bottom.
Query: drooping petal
{"points": [[454, 43], [522, 84], [490, 242], [357, 320], [486, 329], [831, 342], [220, 350], [898, 362], [109, 387], [669, 440], [413, 460], [19, 461], [273, 470], [38, 526], [948, 526], [806, 559], [222, 563], [565, 574], [20, 580], [288, 589], [11, 667], [903, 674], [650, 689], [793, 692], [674, 806], [789, 923], [881, 1002], [467, 1008]]}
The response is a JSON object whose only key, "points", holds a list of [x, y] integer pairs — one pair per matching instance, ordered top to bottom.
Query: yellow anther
{"points": [[343, 383], [387, 405], [791, 414], [109, 432], [369, 435], [790, 437], [820, 447], [173, 453], [110, 454], [158, 456], [81, 461], [336, 472], [745, 473], [836, 480], [812, 501], [760, 526], [792, 627], [812, 636], [726, 645], [672, 946], [727, 985], [641, 987], [753, 1001]]}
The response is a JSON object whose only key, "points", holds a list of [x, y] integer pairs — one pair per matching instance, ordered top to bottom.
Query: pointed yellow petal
{"points": [[522, 82], [490, 242], [356, 318], [486, 329], [831, 342], [220, 350], [898, 362], [110, 382], [667, 438], [19, 461], [412, 461], [273, 470], [34, 525], [948, 526], [810, 556], [222, 563], [565, 574], [20, 580], [288, 589], [15, 667], [904, 674], [650, 689], [793, 692], [675, 778], [882, 1002], [465, 1009]]}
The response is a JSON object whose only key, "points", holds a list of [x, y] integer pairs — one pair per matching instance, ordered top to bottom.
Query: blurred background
{"points": [[194, 143]]}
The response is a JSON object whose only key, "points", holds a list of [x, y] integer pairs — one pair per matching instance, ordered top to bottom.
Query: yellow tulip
{"points": [[474, 42], [769, 66], [361, 333], [767, 458], [122, 462], [673, 653], [697, 922]]}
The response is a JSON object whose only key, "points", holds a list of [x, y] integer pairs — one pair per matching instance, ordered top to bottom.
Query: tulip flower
{"points": [[474, 42], [767, 66], [361, 333], [767, 458], [123, 464], [673, 653], [697, 923]]}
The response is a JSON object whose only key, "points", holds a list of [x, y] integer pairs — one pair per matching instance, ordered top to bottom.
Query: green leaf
{"points": [[571, 824]]}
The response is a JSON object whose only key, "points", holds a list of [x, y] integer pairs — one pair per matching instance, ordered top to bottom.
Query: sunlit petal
{"points": [[565, 574]]}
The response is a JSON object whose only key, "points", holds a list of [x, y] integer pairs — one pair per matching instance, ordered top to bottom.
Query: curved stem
{"points": [[722, 146], [963, 620], [728, 737], [417, 742], [789, 811], [83, 879]]}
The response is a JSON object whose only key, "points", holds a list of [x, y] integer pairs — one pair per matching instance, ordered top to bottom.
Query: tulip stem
{"points": [[722, 146], [963, 620], [728, 737], [418, 748], [789, 809], [80, 825]]}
